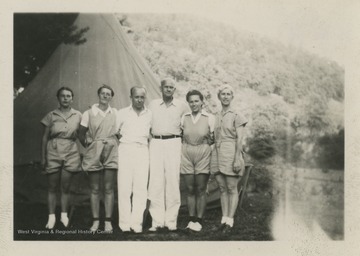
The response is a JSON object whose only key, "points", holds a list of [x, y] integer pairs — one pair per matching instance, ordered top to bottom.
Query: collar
{"points": [[173, 102], [95, 109], [143, 111], [227, 111], [59, 113], [203, 113], [197, 117]]}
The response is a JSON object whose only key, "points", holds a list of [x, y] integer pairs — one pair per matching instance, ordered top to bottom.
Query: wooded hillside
{"points": [[294, 100]]}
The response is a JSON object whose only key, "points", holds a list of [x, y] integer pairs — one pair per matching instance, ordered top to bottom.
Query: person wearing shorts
{"points": [[197, 127], [98, 135], [60, 155], [227, 161]]}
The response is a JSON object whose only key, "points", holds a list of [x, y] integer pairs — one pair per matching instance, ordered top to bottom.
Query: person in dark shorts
{"points": [[197, 127], [98, 134], [60, 154]]}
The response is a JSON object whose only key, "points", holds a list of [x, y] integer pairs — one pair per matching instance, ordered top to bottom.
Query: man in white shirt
{"points": [[134, 124], [165, 155]]}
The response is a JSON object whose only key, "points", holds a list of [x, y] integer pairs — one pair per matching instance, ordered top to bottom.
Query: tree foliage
{"points": [[36, 36], [286, 93], [330, 151]]}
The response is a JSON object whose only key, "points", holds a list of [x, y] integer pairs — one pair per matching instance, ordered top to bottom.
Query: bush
{"points": [[329, 151]]}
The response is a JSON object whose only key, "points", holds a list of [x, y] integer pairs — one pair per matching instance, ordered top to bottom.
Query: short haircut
{"points": [[167, 81], [105, 86], [225, 86], [64, 88], [132, 90], [194, 92]]}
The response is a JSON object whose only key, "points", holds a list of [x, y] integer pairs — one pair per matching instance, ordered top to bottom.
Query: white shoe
{"points": [[64, 219], [51, 221], [190, 225], [95, 226], [108, 226], [196, 226], [172, 228], [153, 229], [137, 230]]}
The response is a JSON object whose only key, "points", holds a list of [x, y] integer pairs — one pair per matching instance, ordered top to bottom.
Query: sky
{"points": [[328, 28], [322, 29]]}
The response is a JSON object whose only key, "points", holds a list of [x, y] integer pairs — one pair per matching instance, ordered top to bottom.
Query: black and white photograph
{"points": [[199, 125]]}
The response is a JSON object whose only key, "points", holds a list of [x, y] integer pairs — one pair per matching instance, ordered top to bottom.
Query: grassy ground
{"points": [[313, 196], [252, 223]]}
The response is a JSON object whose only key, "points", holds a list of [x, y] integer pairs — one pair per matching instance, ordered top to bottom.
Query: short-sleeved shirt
{"points": [[166, 119], [226, 124], [61, 126], [134, 128], [62, 150], [223, 155]]}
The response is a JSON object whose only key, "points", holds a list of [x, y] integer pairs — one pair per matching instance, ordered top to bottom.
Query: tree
{"points": [[36, 36], [329, 151]]}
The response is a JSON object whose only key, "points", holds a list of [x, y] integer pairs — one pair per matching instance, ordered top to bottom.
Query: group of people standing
{"points": [[145, 149]]}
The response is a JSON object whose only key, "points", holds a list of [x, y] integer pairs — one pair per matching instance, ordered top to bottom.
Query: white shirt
{"points": [[96, 110], [166, 119], [211, 119], [134, 128]]}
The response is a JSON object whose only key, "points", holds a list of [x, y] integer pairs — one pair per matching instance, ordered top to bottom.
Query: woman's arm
{"points": [[82, 135], [44, 141], [239, 164]]}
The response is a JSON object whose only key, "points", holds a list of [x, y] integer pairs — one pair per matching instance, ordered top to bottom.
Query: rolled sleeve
{"points": [[85, 119], [47, 120], [240, 120]]}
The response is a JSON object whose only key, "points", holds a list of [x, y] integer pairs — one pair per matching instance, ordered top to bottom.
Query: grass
{"points": [[314, 196], [251, 224]]}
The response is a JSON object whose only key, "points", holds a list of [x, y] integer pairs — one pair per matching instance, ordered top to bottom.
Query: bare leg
{"points": [[94, 178], [109, 178], [53, 181], [201, 182], [231, 183], [65, 189], [224, 197], [191, 200]]}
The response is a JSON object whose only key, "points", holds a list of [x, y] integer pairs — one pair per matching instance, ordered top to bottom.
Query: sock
{"points": [[64, 218], [192, 219], [223, 219], [199, 220], [51, 221], [230, 221]]}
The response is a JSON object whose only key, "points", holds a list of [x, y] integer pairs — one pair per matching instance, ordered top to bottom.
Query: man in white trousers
{"points": [[134, 124], [165, 155]]}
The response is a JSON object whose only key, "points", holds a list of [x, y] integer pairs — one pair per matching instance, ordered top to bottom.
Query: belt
{"points": [[166, 137]]}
